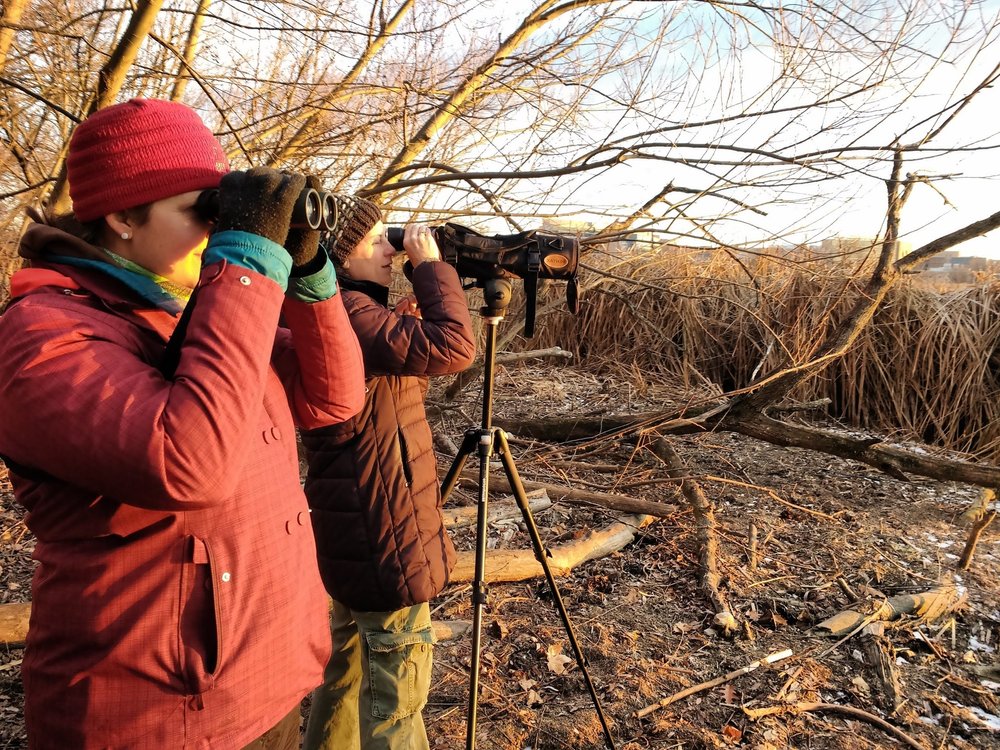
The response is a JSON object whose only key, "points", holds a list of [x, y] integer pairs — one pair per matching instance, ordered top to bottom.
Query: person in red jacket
{"points": [[373, 488], [176, 602]]}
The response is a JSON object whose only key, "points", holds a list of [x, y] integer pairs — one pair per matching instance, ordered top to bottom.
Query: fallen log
{"points": [[890, 459], [559, 493], [496, 510], [521, 565], [927, 605], [14, 623]]}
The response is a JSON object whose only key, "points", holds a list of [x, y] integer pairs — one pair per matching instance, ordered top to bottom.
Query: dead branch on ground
{"points": [[891, 459], [562, 494], [708, 544], [520, 564], [926, 605], [771, 659], [857, 713]]}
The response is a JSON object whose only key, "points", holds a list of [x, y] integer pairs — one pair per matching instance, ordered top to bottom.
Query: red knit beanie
{"points": [[138, 152]]}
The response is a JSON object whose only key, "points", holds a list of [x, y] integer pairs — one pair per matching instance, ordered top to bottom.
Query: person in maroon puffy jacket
{"points": [[373, 488], [176, 602]]}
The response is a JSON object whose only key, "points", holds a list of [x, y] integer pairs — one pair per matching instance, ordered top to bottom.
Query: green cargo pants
{"points": [[376, 682]]}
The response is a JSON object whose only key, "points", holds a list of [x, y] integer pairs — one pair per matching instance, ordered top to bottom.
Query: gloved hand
{"points": [[259, 201], [303, 244]]}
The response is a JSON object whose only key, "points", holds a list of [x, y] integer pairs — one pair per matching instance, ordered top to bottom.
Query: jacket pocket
{"points": [[404, 458], [200, 619], [399, 666]]}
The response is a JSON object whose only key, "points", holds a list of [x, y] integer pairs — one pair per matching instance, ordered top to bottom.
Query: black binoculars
{"points": [[313, 209]]}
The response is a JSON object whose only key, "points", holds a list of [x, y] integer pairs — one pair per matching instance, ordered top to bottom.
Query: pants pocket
{"points": [[399, 667]]}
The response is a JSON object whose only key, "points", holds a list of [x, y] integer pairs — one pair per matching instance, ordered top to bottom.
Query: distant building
{"points": [[848, 248], [949, 261]]}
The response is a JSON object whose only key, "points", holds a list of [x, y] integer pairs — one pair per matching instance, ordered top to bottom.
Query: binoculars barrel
{"points": [[312, 210], [395, 237]]}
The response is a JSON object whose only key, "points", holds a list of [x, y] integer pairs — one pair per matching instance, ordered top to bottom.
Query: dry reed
{"points": [[924, 369]]}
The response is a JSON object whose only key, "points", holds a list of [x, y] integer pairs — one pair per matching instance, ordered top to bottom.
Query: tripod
{"points": [[487, 439]]}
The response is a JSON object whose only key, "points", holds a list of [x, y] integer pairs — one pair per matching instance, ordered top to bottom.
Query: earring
{"points": [[126, 236], [346, 264]]}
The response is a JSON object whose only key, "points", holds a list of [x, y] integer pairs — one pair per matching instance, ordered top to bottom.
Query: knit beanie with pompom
{"points": [[138, 152]]}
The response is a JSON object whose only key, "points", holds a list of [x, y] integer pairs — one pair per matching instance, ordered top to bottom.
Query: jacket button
{"points": [[245, 280], [276, 433], [266, 434], [302, 517], [289, 528], [226, 577]]}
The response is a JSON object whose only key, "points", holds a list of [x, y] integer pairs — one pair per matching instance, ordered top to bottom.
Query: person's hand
{"points": [[259, 201], [303, 244], [420, 245], [408, 306]]}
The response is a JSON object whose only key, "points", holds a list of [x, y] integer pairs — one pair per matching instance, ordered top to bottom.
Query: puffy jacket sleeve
{"points": [[438, 343], [319, 362], [82, 400]]}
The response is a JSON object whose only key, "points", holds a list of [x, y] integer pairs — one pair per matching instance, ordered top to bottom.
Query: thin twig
{"points": [[771, 659]]}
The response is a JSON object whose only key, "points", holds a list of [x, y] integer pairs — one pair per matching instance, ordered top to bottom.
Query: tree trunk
{"points": [[190, 50], [110, 81]]}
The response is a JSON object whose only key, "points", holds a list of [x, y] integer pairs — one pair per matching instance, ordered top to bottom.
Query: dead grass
{"points": [[924, 369]]}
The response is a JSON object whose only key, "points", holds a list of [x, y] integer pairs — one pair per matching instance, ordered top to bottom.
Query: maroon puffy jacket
{"points": [[372, 482]]}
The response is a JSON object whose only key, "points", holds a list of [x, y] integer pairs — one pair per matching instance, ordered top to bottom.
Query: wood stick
{"points": [[559, 493], [970, 544], [771, 659], [759, 713]]}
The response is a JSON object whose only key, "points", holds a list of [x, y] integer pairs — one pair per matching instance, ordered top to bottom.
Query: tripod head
{"points": [[496, 297]]}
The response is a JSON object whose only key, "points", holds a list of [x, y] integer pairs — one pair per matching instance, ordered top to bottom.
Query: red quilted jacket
{"points": [[176, 603]]}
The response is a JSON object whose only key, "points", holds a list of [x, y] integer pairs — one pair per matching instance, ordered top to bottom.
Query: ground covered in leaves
{"points": [[825, 529]]}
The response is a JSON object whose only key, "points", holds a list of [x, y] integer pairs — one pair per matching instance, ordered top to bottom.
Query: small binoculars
{"points": [[313, 209]]}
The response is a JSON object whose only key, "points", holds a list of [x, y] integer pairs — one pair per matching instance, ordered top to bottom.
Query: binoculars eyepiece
{"points": [[313, 209]]}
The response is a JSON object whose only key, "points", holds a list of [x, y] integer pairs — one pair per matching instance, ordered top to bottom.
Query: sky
{"points": [[846, 207]]}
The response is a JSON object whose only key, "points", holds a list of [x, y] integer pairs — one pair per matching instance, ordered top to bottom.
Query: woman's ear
{"points": [[120, 223]]}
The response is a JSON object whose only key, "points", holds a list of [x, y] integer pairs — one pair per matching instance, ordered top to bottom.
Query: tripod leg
{"points": [[469, 442], [485, 442], [541, 554]]}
